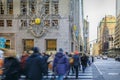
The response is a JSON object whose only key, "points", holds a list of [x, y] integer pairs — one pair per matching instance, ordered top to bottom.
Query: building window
{"points": [[32, 5], [10, 6], [46, 6], [23, 7], [55, 7], [1, 8], [54, 22], [1, 23], [9, 23], [23, 23], [47, 23], [7, 44], [28, 44], [51, 45]]}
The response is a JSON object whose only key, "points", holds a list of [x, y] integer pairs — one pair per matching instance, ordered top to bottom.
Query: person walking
{"points": [[23, 59], [84, 60], [71, 61], [1, 62], [76, 63], [60, 64], [35, 65], [11, 66]]}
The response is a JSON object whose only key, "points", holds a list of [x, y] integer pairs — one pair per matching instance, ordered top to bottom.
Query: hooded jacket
{"points": [[60, 64], [35, 66]]}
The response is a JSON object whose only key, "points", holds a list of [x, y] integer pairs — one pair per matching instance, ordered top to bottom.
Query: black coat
{"points": [[76, 60], [84, 60], [35, 67], [11, 68]]}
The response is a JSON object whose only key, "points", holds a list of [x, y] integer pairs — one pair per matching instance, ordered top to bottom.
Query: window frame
{"points": [[32, 4], [9, 6], [23, 7], [1, 8], [2, 23], [9, 23], [50, 42], [25, 45]]}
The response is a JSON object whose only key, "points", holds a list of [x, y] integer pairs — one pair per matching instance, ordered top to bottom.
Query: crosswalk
{"points": [[82, 76]]}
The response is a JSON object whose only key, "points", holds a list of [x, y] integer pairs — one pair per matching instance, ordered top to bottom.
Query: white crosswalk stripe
{"points": [[82, 76]]}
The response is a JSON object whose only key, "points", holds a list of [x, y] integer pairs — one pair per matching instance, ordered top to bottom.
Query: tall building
{"points": [[47, 24], [117, 28], [106, 34], [86, 36], [95, 49]]}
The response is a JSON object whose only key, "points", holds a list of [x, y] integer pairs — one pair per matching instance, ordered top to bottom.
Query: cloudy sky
{"points": [[96, 10]]}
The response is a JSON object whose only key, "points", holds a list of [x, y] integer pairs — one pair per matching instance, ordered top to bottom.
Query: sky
{"points": [[96, 10]]}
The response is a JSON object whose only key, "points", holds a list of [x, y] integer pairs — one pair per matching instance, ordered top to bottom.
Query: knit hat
{"points": [[35, 49], [60, 49]]}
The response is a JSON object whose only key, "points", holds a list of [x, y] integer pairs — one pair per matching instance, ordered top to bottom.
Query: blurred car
{"points": [[98, 57], [104, 57], [117, 58]]}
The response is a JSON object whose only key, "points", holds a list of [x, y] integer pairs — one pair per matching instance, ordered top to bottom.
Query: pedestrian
{"points": [[45, 57], [23, 59], [92, 59], [84, 60], [50, 61], [71, 61], [1, 62], [76, 63], [60, 64], [35, 65], [11, 66]]}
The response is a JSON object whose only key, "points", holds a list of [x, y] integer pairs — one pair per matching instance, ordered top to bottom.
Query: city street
{"points": [[58, 39], [108, 69], [100, 70]]}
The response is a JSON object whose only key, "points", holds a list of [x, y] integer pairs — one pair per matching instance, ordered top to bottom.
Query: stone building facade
{"points": [[60, 24]]}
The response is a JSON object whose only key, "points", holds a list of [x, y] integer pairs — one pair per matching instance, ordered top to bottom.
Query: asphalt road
{"points": [[108, 69]]}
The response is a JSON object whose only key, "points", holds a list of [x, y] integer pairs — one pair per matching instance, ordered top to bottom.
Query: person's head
{"points": [[35, 50], [60, 50], [76, 52], [24, 53], [66, 53]]}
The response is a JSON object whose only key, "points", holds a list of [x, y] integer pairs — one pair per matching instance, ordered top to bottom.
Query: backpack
{"points": [[71, 60]]}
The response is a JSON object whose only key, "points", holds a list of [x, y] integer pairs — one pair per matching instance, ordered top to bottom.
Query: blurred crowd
{"points": [[33, 65]]}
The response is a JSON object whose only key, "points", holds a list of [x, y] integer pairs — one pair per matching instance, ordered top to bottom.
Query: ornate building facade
{"points": [[47, 24]]}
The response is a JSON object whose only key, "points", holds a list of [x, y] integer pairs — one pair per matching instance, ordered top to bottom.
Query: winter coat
{"points": [[76, 60], [84, 60], [50, 62], [22, 63], [60, 64], [1, 66], [35, 67], [11, 68]]}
